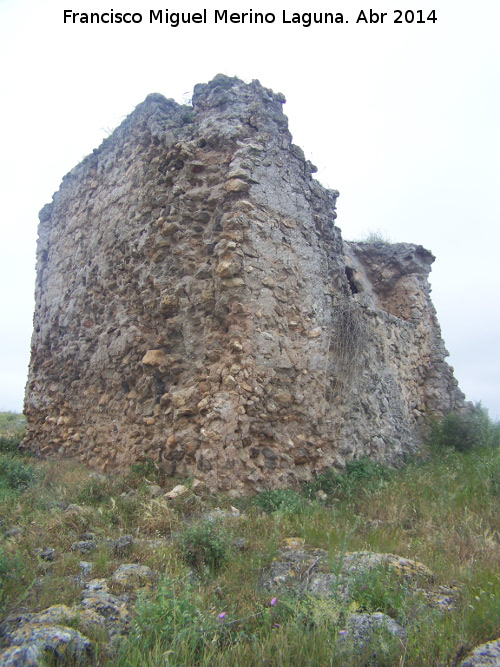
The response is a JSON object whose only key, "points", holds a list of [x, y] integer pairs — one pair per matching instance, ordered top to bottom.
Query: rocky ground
{"points": [[375, 566], [107, 605]]}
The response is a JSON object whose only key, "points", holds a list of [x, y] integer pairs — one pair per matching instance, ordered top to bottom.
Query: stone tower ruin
{"points": [[197, 307]]}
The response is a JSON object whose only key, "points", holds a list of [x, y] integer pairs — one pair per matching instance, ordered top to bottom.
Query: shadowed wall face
{"points": [[196, 306]]}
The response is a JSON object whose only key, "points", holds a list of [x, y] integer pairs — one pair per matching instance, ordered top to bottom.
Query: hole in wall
{"points": [[350, 279]]}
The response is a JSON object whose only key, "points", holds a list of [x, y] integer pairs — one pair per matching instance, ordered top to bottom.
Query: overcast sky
{"points": [[402, 119]]}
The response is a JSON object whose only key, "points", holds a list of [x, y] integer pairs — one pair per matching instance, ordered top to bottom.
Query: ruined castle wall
{"points": [[195, 305]]}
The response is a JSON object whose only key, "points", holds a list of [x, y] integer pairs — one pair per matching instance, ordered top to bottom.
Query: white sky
{"points": [[402, 119]]}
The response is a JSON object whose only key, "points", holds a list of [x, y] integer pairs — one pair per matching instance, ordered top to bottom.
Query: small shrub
{"points": [[187, 116], [12, 426], [490, 431], [466, 432], [9, 444], [147, 468], [366, 471], [15, 474], [359, 474], [95, 492], [287, 501], [205, 544], [316, 612]]}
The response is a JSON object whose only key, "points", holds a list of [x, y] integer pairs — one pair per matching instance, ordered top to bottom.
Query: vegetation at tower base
{"points": [[197, 307], [374, 566]]}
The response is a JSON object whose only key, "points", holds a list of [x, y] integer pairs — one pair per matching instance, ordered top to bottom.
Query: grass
{"points": [[376, 236], [12, 427], [15, 475], [286, 501], [441, 509]]}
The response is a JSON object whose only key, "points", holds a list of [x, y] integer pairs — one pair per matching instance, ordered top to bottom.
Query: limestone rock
{"points": [[237, 185], [192, 286], [154, 358], [154, 490], [177, 491], [73, 508], [15, 532], [123, 544], [84, 546], [46, 554], [300, 569], [130, 577], [108, 604], [111, 607], [59, 615], [360, 627], [35, 641], [485, 655], [22, 656]]}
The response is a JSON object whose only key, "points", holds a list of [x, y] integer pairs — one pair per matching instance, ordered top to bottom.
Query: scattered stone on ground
{"points": [[197, 484], [154, 490], [177, 491], [73, 509], [219, 515], [14, 532], [88, 536], [239, 544], [123, 545], [84, 546], [46, 554], [86, 568], [131, 578], [106, 603], [110, 603], [112, 608], [360, 627], [21, 656]]}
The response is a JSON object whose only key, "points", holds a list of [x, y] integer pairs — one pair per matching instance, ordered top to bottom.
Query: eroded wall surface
{"points": [[196, 306]]}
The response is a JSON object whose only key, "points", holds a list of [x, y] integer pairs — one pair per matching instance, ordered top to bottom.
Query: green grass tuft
{"points": [[15, 474], [287, 501], [205, 544]]}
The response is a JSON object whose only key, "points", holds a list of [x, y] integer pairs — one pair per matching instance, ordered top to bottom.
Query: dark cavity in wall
{"points": [[350, 279]]}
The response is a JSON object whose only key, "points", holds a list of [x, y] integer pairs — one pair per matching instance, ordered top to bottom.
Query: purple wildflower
{"points": [[273, 602], [222, 615]]}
